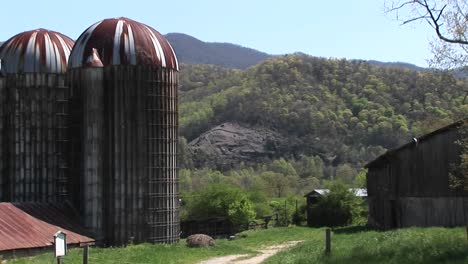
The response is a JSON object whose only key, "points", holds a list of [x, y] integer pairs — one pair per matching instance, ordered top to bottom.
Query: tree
{"points": [[448, 18], [185, 159], [459, 171], [346, 173], [361, 179], [276, 184], [219, 200], [336, 208]]}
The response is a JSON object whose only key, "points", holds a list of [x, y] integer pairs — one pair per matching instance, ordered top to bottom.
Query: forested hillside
{"points": [[345, 112]]}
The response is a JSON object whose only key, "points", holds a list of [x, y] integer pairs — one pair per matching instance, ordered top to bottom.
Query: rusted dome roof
{"points": [[122, 41], [36, 51]]}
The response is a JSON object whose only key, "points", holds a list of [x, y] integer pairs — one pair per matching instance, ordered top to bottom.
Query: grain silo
{"points": [[123, 80], [34, 107]]}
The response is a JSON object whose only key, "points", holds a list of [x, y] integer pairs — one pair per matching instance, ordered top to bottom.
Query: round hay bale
{"points": [[200, 240]]}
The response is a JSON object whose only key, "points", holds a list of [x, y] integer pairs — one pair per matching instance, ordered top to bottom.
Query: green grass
{"points": [[349, 245], [410, 245], [179, 253]]}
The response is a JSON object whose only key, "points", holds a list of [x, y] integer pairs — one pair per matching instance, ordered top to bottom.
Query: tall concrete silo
{"points": [[123, 80], [34, 112]]}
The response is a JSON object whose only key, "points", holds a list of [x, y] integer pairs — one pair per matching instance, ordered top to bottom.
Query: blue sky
{"points": [[340, 29]]}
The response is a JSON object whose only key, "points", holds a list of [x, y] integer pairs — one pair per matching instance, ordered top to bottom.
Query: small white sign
{"points": [[60, 241]]}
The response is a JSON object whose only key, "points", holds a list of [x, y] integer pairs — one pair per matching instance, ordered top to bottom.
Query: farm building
{"points": [[92, 126], [410, 186], [28, 228]]}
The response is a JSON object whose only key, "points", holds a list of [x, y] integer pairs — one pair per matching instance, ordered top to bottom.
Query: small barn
{"points": [[410, 186], [28, 228]]}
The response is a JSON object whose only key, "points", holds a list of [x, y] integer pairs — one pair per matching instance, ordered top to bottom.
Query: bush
{"points": [[220, 200], [336, 208], [284, 211]]}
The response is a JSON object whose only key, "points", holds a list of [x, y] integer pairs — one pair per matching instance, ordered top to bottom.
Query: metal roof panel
{"points": [[122, 41], [36, 51], [33, 225]]}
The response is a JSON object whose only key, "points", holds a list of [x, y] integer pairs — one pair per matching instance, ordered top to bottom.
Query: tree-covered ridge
{"points": [[190, 50], [343, 111]]}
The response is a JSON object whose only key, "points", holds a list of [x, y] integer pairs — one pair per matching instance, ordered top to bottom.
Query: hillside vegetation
{"points": [[345, 112]]}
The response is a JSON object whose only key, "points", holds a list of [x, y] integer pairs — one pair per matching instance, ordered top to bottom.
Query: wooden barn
{"points": [[410, 186]]}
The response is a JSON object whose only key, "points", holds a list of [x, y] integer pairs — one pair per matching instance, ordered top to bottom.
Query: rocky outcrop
{"points": [[231, 143]]}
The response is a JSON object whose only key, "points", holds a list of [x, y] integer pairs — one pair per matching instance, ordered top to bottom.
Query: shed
{"points": [[410, 186], [26, 228]]}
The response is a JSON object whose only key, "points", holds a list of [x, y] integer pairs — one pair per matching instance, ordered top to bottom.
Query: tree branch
{"points": [[414, 19], [435, 23]]}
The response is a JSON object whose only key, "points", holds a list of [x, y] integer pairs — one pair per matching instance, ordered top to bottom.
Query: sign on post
{"points": [[60, 241]]}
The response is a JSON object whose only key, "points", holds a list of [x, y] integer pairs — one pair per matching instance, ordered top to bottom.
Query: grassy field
{"points": [[349, 245], [410, 245], [179, 253]]}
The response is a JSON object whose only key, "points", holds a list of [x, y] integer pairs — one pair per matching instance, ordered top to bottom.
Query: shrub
{"points": [[220, 200], [336, 208], [284, 211]]}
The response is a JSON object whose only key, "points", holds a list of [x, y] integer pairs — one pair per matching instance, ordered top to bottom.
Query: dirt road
{"points": [[247, 259]]}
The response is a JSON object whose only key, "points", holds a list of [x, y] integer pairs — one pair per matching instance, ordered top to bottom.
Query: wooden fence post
{"points": [[327, 242], [85, 254]]}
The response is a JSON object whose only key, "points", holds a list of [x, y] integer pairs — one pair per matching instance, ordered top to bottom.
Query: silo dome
{"points": [[122, 41], [36, 51]]}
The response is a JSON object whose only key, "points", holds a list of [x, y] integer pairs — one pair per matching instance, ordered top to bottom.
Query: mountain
{"points": [[190, 50], [403, 65], [344, 112]]}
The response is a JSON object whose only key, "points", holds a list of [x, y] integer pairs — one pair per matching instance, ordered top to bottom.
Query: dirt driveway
{"points": [[247, 259]]}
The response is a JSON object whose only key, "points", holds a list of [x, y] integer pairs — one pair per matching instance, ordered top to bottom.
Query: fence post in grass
{"points": [[327, 241], [85, 254]]}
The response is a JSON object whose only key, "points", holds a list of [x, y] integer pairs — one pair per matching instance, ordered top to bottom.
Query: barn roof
{"points": [[122, 41], [35, 51], [387, 155], [359, 192], [33, 225]]}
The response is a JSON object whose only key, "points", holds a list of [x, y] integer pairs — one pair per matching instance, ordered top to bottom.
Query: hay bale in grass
{"points": [[200, 240]]}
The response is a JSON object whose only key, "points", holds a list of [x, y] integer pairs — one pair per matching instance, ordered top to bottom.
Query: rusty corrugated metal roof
{"points": [[122, 41], [36, 51], [33, 225]]}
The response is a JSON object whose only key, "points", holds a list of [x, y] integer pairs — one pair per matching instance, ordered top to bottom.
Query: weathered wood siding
{"points": [[35, 138], [126, 147], [3, 174], [410, 186]]}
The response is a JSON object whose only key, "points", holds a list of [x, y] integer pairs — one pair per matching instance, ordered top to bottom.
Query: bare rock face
{"points": [[231, 143], [200, 240]]}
